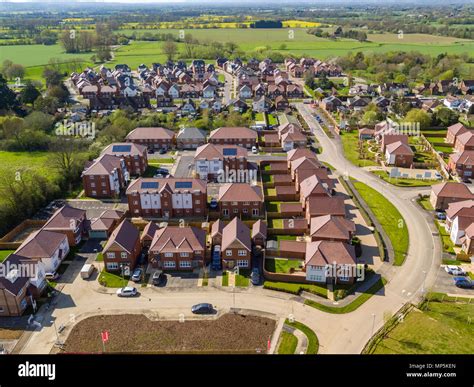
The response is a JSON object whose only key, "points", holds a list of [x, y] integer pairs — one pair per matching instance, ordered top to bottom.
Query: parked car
{"points": [[254, 150], [151, 151], [162, 151], [162, 171], [438, 176], [466, 180], [213, 204], [441, 215], [216, 258], [87, 270], [454, 270], [137, 275], [51, 276], [255, 276], [158, 278], [463, 282], [127, 291], [203, 308]]}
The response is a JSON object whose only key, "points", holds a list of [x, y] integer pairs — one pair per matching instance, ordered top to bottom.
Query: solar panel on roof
{"points": [[121, 148], [229, 151], [183, 184], [150, 185]]}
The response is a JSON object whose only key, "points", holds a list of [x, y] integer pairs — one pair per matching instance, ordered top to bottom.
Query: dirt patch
{"points": [[230, 333], [10, 334]]}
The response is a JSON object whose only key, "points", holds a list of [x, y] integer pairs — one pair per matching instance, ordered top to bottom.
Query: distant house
{"points": [[467, 86], [245, 92], [281, 103], [262, 104], [331, 104], [366, 134], [152, 138], [190, 138], [446, 193], [236, 245], [178, 248], [122, 249]]}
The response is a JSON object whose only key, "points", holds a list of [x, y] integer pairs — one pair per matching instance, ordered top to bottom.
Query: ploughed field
{"points": [[130, 333]]}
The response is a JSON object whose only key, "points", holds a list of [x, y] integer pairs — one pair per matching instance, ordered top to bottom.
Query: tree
{"points": [[170, 49], [103, 54], [15, 71], [52, 76], [29, 93], [7, 96], [46, 104], [418, 116], [445, 117], [39, 121]]}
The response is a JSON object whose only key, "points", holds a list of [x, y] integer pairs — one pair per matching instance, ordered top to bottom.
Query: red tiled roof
{"points": [[240, 192], [236, 230]]}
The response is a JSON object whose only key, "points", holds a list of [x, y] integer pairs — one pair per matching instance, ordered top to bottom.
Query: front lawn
{"points": [[272, 120], [401, 182], [269, 191], [425, 203], [390, 219], [279, 238], [448, 245], [4, 254], [281, 265], [225, 279], [110, 280], [296, 288], [351, 306], [288, 343]]}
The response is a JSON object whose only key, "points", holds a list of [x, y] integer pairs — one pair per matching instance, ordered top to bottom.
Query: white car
{"points": [[254, 150], [454, 270], [127, 291]]}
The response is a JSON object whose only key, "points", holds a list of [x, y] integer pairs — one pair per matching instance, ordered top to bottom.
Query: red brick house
{"points": [[454, 131], [234, 136], [153, 137], [464, 141], [399, 154], [134, 155], [212, 160], [462, 163], [105, 177], [313, 187], [449, 192], [167, 197], [240, 199], [320, 206], [69, 221], [331, 228], [216, 232], [259, 233], [148, 234], [236, 245], [178, 248], [122, 249]]}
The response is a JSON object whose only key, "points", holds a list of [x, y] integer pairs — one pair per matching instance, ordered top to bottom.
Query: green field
{"points": [[21, 161], [390, 219], [441, 328], [288, 343]]}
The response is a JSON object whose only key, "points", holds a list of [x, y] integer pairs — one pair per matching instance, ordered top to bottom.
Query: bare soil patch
{"points": [[131, 333]]}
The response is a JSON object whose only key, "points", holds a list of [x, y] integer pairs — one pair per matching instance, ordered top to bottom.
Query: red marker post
{"points": [[105, 337]]}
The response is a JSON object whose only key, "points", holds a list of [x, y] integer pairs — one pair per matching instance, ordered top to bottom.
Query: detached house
{"points": [[454, 131], [152, 138], [399, 154], [462, 163], [446, 193], [240, 199], [69, 221], [332, 228], [236, 246], [178, 248], [122, 249], [14, 298]]}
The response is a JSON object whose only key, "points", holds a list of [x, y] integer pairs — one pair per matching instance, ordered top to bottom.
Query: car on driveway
{"points": [[162, 171], [213, 204], [441, 215], [454, 270], [137, 275], [255, 276], [158, 278], [463, 282], [127, 291], [203, 308]]}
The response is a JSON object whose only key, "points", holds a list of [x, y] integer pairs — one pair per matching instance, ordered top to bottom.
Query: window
{"points": [[103, 184], [92, 185], [94, 193], [197, 202], [234, 203], [246, 203], [236, 211], [245, 211], [225, 212], [255, 212], [198, 252], [228, 253], [242, 253], [111, 255], [123, 255], [169, 255], [184, 255], [242, 263], [169, 264], [185, 264], [112, 266], [20, 292], [1, 309]]}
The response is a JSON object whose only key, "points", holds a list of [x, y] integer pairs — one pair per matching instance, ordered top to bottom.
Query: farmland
{"points": [[20, 161]]}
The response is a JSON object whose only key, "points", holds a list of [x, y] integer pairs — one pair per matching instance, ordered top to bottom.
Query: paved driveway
{"points": [[184, 167], [445, 284]]}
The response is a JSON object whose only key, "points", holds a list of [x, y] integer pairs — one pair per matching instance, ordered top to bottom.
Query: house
{"points": [[467, 86], [294, 91], [209, 92], [245, 92], [381, 102], [281, 103], [358, 103], [262, 104], [331, 104], [238, 105], [187, 107], [454, 131], [234, 136], [152, 138], [190, 138], [388, 139], [464, 141], [299, 153], [399, 154], [134, 155], [212, 161], [303, 163], [462, 163], [105, 177], [313, 187], [446, 193], [167, 197], [240, 199], [320, 206], [464, 208], [69, 221], [458, 222], [102, 226], [331, 228], [216, 232], [259, 233], [148, 234], [468, 240], [236, 246], [48, 247], [178, 248], [122, 249], [330, 262], [33, 269], [14, 297]]}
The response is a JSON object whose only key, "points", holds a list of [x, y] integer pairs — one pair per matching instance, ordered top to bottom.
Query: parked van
{"points": [[87, 270]]}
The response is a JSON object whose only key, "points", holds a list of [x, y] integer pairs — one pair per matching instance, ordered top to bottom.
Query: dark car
{"points": [[151, 151], [162, 151], [162, 171], [466, 180], [213, 204], [255, 276], [158, 278], [463, 282], [203, 308]]}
